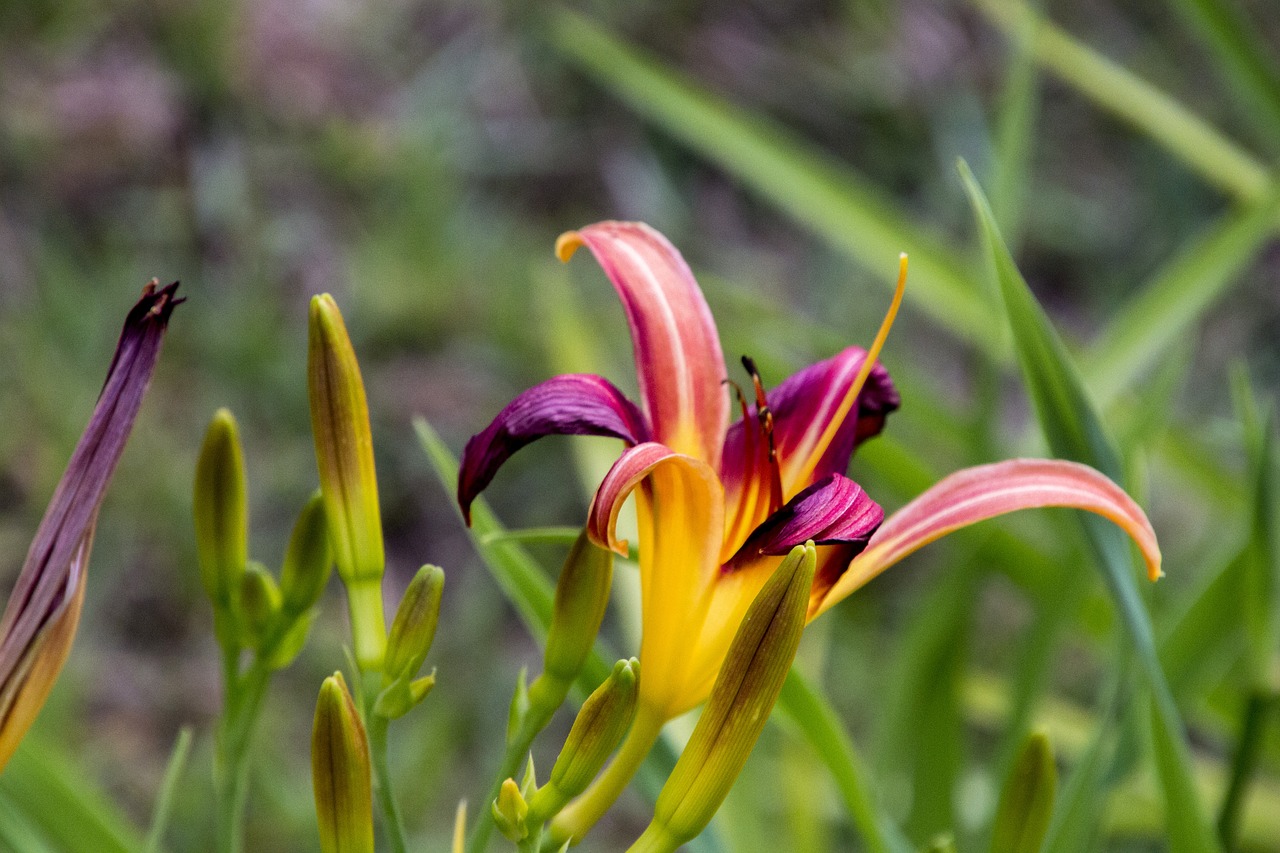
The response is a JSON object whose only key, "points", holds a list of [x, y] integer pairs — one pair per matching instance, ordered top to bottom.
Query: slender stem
{"points": [[240, 717], [535, 720], [377, 728], [1243, 764], [576, 819]]}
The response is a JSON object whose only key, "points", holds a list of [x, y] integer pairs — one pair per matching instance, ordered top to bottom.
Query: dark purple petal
{"points": [[576, 404], [803, 405], [833, 511], [52, 576]]}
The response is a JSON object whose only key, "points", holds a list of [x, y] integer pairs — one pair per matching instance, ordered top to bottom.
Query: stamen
{"points": [[873, 354], [765, 416]]}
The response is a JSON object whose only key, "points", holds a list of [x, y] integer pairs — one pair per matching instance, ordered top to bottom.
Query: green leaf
{"points": [[1244, 61], [1015, 132], [1185, 135], [828, 197], [1168, 307], [1074, 431], [820, 725], [168, 788], [41, 789], [1026, 803]]}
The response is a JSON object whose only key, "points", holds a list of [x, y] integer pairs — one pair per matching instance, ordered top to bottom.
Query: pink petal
{"points": [[677, 350], [576, 404], [986, 491], [833, 511]]}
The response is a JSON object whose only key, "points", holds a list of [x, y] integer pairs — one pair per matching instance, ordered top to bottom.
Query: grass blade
{"points": [[1247, 66], [1200, 146], [831, 199], [1159, 316], [1074, 431], [819, 724], [168, 787], [54, 797]]}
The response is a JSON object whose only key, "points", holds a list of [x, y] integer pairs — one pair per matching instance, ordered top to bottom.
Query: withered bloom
{"points": [[40, 618]]}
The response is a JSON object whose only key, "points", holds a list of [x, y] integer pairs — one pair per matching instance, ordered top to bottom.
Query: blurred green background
{"points": [[418, 159]]}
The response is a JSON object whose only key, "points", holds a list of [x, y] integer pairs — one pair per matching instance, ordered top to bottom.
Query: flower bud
{"points": [[344, 456], [221, 516], [308, 560], [582, 594], [259, 604], [414, 627], [290, 643], [744, 693], [596, 733], [340, 772], [1026, 802], [509, 811]]}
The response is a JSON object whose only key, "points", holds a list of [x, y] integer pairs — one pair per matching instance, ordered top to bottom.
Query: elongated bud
{"points": [[348, 482], [221, 514], [308, 562], [582, 594], [259, 604], [43, 609], [414, 627], [744, 693], [596, 733], [340, 772], [1026, 802], [509, 811]]}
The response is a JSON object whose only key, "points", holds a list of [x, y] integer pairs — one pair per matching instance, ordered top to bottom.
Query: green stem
{"points": [[240, 717], [535, 720], [1243, 764], [383, 792], [579, 816]]}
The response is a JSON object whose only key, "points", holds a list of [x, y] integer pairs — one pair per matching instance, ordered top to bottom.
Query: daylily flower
{"points": [[718, 506], [43, 610]]}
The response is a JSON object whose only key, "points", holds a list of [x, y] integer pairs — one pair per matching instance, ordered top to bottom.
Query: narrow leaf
{"points": [[1185, 135], [1074, 431]]}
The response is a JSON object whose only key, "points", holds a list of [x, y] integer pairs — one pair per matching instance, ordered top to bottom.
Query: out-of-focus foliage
{"points": [[417, 159]]}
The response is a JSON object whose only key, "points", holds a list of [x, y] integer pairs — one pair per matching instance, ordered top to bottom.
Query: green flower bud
{"points": [[348, 481], [221, 517], [308, 560], [582, 594], [259, 604], [415, 624], [285, 649], [744, 693], [402, 695], [596, 733], [340, 772], [1026, 802], [510, 810]]}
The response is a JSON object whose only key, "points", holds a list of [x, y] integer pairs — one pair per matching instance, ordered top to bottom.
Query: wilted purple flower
{"points": [[40, 618]]}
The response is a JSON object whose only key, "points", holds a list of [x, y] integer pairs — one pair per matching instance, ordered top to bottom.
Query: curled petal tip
{"points": [[566, 244]]}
